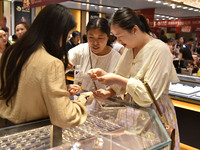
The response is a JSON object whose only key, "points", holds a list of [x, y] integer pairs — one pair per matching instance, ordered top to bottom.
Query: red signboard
{"points": [[36, 3], [147, 13], [194, 22], [186, 29]]}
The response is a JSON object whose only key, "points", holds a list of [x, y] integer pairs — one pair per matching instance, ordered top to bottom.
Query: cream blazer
{"points": [[42, 93]]}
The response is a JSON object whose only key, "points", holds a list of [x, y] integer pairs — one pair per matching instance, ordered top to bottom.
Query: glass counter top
{"points": [[130, 127]]}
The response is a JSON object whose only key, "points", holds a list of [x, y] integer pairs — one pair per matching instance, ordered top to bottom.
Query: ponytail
{"points": [[126, 18], [145, 24]]}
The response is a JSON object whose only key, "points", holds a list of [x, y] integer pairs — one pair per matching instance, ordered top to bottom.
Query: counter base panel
{"points": [[189, 126]]}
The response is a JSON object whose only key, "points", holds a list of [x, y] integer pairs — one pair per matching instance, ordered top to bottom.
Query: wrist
{"points": [[122, 81]]}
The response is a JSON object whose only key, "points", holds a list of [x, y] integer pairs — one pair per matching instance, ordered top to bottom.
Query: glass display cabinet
{"points": [[188, 89], [110, 127]]}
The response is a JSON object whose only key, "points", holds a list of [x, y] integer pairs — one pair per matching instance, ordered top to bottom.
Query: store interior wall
{"points": [[1, 9], [37, 10], [7, 14], [77, 16], [84, 20]]}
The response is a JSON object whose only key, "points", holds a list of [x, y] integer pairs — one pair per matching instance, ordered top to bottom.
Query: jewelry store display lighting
{"points": [[193, 5], [164, 9]]}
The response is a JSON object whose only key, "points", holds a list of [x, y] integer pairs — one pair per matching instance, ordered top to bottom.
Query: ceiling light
{"points": [[150, 0], [176, 1], [158, 2], [165, 3], [186, 3], [83, 4], [92, 5], [100, 6], [173, 6], [179, 6], [108, 7], [185, 7], [115, 8], [190, 9], [196, 10], [157, 15]]}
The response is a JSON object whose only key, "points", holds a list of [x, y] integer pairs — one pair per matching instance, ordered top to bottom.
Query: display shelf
{"points": [[186, 78], [187, 90], [185, 105], [23, 127], [131, 127], [116, 129]]}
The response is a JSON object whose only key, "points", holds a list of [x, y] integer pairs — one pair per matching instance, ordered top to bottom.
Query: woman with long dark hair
{"points": [[33, 73]]}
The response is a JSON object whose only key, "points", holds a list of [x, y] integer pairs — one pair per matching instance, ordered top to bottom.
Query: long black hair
{"points": [[126, 18], [53, 23], [102, 24]]}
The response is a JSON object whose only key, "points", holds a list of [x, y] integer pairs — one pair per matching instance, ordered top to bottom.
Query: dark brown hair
{"points": [[126, 19], [53, 22], [24, 24]]}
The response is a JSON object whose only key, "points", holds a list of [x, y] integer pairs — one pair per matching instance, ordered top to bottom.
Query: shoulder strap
{"points": [[153, 98]]}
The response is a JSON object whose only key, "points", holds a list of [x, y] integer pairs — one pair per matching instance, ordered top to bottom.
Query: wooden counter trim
{"points": [[70, 78], [186, 105], [186, 147]]}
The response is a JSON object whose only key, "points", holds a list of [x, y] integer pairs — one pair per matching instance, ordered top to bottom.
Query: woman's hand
{"points": [[69, 66], [97, 72], [102, 76], [108, 79], [73, 89], [101, 94], [89, 96]]}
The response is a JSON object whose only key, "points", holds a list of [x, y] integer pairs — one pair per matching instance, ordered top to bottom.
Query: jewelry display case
{"points": [[188, 89], [186, 98], [119, 128]]}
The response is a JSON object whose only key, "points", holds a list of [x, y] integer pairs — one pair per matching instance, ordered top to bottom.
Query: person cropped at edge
{"points": [[74, 41], [4, 43], [96, 53], [141, 60], [32, 71]]}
